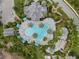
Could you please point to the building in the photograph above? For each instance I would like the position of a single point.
(60, 45)
(64, 32)
(35, 11)
(8, 32)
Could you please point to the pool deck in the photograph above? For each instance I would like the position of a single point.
(24, 29)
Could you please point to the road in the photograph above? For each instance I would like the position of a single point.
(69, 12)
(7, 15)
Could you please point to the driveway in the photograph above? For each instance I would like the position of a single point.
(7, 14)
(69, 12)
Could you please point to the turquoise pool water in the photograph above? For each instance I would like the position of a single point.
(42, 32)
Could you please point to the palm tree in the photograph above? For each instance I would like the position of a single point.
(41, 25)
(45, 38)
(49, 31)
(35, 35)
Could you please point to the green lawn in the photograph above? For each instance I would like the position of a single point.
(75, 48)
(74, 4)
(1, 35)
(1, 30)
(19, 4)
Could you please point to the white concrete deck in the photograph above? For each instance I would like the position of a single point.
(24, 26)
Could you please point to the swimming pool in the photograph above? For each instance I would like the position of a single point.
(41, 32)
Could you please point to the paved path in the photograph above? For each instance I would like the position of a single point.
(69, 12)
(7, 15)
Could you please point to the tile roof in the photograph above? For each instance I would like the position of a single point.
(8, 32)
(35, 11)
